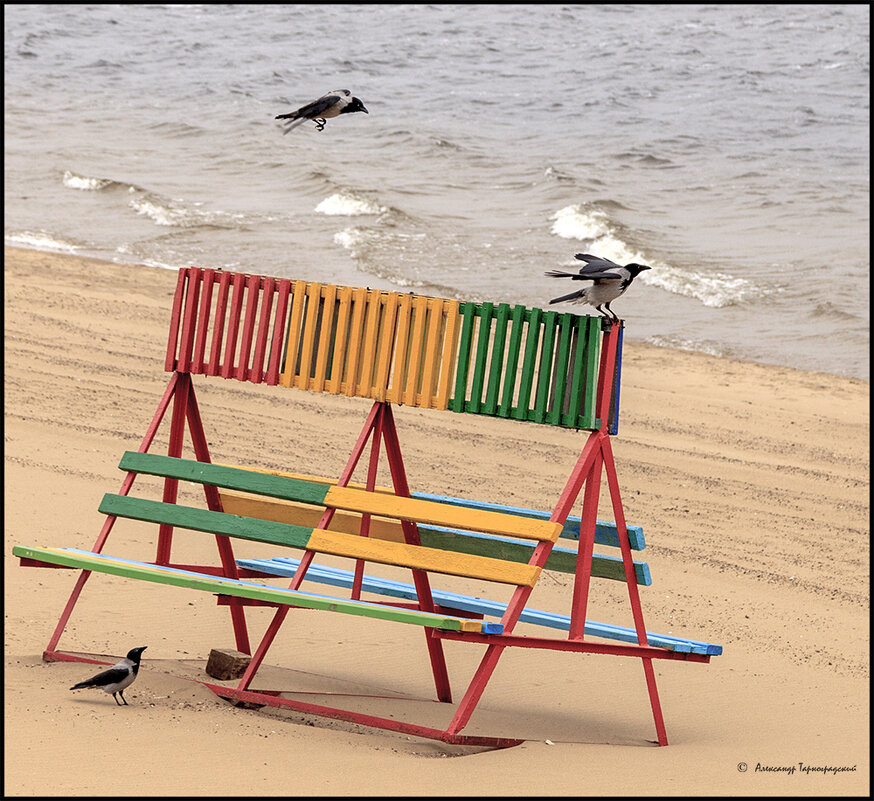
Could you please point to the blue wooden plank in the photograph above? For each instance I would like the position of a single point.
(605, 532)
(286, 566)
(296, 597)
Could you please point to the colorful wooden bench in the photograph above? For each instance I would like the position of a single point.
(514, 363)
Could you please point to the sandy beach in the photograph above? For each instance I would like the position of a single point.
(751, 483)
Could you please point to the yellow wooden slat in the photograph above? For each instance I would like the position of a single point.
(385, 342)
(356, 331)
(326, 334)
(343, 314)
(440, 514)
(419, 558)
(300, 514)
(364, 386)
(402, 337)
(298, 299)
(450, 353)
(314, 293)
(430, 362)
(420, 309)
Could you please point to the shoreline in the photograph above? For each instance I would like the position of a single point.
(751, 483)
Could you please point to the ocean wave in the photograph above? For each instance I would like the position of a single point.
(697, 346)
(349, 204)
(40, 240)
(593, 226)
(84, 183)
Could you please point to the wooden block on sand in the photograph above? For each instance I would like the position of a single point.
(225, 664)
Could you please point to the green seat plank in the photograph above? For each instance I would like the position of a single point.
(160, 574)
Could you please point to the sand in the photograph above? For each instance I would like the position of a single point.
(751, 483)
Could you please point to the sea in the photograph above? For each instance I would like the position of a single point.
(725, 145)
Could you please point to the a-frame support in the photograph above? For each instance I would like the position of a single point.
(180, 392)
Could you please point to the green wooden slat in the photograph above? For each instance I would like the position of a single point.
(592, 364)
(499, 341)
(528, 364)
(544, 374)
(172, 514)
(197, 581)
(560, 370)
(561, 560)
(512, 361)
(467, 311)
(289, 489)
(485, 313)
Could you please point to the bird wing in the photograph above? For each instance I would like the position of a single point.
(111, 676)
(595, 264)
(317, 107)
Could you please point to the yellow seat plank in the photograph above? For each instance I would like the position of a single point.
(439, 514)
(420, 558)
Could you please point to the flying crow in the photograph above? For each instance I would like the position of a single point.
(118, 678)
(340, 101)
(609, 281)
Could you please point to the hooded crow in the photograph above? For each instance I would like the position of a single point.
(609, 281)
(118, 678)
(340, 101)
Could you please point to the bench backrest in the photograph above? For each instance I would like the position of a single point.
(480, 358)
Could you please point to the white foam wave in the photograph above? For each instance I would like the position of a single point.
(348, 204)
(175, 214)
(39, 240)
(84, 183)
(593, 226)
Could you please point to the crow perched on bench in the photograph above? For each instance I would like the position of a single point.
(609, 281)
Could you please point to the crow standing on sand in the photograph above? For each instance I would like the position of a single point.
(609, 281)
(118, 678)
(340, 101)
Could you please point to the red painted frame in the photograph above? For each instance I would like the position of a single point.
(595, 458)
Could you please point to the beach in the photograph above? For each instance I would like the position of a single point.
(751, 483)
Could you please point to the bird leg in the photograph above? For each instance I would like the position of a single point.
(115, 698)
(320, 123)
(612, 313)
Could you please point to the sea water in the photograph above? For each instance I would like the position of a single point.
(726, 146)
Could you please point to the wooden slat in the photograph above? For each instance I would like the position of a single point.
(356, 333)
(189, 321)
(497, 359)
(511, 372)
(326, 337)
(418, 558)
(175, 321)
(438, 514)
(256, 372)
(279, 332)
(484, 313)
(528, 365)
(292, 345)
(385, 346)
(338, 360)
(253, 285)
(560, 367)
(417, 342)
(431, 354)
(219, 322)
(245, 589)
(449, 356)
(238, 284)
(396, 391)
(197, 360)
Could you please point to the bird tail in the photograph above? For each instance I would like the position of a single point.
(80, 685)
(559, 274)
(290, 126)
(573, 296)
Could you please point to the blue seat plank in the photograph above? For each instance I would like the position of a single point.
(286, 566)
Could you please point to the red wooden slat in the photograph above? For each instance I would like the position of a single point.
(238, 281)
(218, 329)
(279, 323)
(203, 320)
(189, 321)
(256, 374)
(170, 361)
(253, 292)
